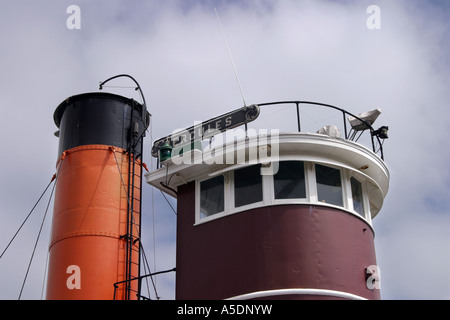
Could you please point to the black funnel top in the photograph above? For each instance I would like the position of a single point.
(101, 118)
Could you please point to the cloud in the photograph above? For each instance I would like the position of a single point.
(320, 51)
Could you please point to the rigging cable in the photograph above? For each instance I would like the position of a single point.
(37, 240)
(29, 214)
(153, 215)
(45, 274)
(174, 211)
(231, 58)
(149, 272)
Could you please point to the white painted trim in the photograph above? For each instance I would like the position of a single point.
(297, 291)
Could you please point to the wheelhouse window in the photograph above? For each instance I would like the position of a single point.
(357, 196)
(329, 185)
(295, 182)
(289, 181)
(212, 193)
(247, 186)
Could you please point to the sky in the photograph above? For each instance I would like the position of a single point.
(322, 50)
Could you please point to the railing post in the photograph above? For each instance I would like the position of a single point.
(345, 125)
(115, 287)
(298, 117)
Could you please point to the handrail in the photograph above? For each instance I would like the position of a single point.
(116, 284)
(344, 113)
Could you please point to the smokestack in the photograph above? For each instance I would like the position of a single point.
(95, 239)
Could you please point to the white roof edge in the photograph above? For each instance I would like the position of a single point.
(301, 146)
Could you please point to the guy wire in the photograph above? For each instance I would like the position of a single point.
(231, 58)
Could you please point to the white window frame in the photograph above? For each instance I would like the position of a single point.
(366, 200)
(223, 213)
(343, 187)
(351, 206)
(268, 192)
(249, 206)
(271, 182)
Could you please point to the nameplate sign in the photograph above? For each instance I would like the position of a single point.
(208, 128)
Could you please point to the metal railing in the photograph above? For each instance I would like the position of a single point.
(139, 279)
(375, 137)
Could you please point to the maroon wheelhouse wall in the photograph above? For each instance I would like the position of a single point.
(275, 247)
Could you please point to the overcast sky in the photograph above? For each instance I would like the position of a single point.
(283, 50)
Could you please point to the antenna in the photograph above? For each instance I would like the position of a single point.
(231, 58)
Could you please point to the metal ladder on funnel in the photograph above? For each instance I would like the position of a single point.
(134, 193)
(133, 229)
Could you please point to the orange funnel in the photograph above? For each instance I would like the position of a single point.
(94, 246)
